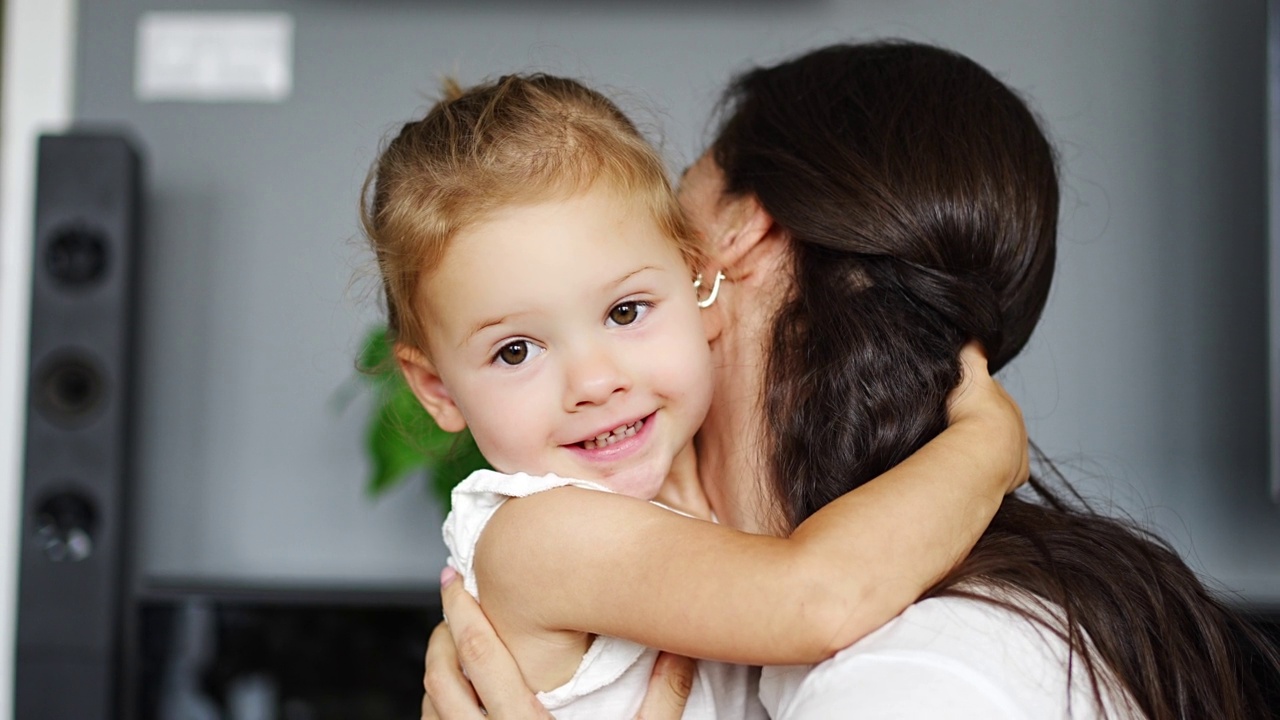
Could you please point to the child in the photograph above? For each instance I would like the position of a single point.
(540, 284)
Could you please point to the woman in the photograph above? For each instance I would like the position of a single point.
(876, 206)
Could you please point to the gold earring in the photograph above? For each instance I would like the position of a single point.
(710, 299)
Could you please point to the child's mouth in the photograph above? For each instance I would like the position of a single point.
(618, 434)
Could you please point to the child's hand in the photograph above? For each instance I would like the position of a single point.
(980, 400)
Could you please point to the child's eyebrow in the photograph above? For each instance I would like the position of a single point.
(483, 324)
(499, 320)
(630, 275)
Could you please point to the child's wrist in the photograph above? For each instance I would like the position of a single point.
(996, 441)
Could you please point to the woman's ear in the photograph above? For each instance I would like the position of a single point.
(427, 386)
(745, 225)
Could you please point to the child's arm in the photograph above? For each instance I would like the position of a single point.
(575, 559)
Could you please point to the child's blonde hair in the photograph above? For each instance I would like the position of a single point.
(519, 139)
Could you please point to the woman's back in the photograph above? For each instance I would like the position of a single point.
(951, 657)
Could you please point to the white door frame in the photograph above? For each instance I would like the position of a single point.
(35, 96)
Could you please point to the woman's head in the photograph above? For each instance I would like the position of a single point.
(919, 200)
(915, 199)
(518, 140)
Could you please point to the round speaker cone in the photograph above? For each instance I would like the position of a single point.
(65, 525)
(77, 255)
(70, 388)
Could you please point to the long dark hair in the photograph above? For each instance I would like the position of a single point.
(921, 198)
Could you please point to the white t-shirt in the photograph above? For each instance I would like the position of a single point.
(945, 658)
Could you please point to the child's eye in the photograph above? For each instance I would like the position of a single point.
(625, 313)
(516, 352)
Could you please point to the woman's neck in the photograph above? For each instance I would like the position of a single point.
(730, 464)
(732, 452)
(731, 449)
(682, 490)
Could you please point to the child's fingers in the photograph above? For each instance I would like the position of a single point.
(448, 694)
(973, 369)
(978, 395)
(669, 688)
(486, 662)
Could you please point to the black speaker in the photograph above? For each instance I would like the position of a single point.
(72, 566)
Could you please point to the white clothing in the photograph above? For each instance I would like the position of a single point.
(614, 674)
(945, 657)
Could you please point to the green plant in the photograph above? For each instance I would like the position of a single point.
(401, 437)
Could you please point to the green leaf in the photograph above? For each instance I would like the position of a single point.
(454, 467)
(375, 357)
(391, 450)
(402, 438)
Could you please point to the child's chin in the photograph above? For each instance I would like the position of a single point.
(639, 483)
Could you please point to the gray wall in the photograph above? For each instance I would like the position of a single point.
(1147, 378)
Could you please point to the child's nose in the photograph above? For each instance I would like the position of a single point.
(594, 376)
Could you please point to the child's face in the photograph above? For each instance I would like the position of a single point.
(556, 323)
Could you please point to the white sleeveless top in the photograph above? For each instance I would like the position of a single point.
(614, 674)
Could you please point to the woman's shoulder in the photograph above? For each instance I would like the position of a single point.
(992, 654)
(986, 627)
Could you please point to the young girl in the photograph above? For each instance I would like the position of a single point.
(540, 284)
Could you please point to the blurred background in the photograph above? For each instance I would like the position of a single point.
(1147, 380)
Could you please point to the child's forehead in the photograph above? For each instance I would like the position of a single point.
(548, 252)
(599, 218)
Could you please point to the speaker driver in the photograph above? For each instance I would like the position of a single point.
(65, 525)
(69, 389)
(76, 255)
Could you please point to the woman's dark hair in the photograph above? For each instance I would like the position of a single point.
(921, 198)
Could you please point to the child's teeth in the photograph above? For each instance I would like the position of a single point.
(618, 433)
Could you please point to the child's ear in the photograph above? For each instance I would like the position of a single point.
(427, 386)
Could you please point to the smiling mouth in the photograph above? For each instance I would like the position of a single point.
(622, 432)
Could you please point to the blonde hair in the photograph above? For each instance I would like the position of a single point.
(521, 138)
